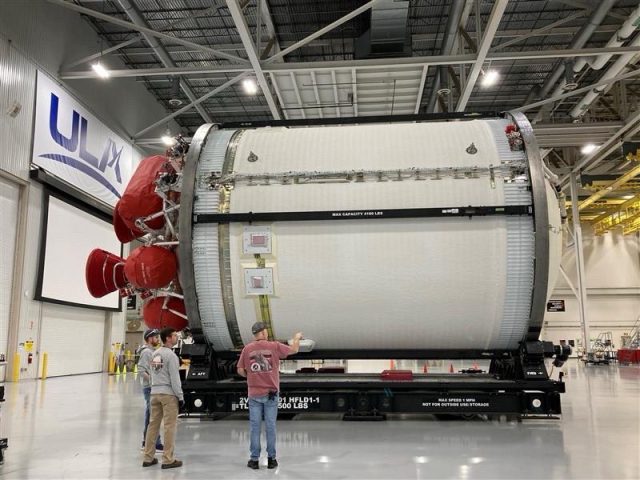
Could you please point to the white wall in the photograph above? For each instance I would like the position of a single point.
(73, 339)
(35, 34)
(612, 264)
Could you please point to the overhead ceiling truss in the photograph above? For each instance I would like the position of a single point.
(332, 87)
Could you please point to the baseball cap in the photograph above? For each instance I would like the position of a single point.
(258, 327)
(151, 332)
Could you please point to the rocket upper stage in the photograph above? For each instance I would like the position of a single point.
(439, 225)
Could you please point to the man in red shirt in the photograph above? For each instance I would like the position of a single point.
(260, 363)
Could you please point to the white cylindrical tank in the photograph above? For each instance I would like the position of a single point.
(379, 237)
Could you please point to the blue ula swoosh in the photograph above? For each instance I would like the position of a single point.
(84, 168)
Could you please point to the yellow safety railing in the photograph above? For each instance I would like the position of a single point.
(16, 367)
(45, 365)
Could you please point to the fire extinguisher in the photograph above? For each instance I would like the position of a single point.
(30, 358)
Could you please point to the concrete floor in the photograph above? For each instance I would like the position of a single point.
(90, 427)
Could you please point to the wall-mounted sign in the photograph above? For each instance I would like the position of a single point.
(555, 306)
(74, 145)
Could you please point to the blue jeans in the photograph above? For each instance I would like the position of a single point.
(259, 408)
(147, 414)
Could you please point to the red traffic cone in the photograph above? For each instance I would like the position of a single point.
(424, 368)
(451, 368)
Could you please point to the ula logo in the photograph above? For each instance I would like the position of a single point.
(76, 143)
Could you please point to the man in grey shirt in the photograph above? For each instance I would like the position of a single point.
(151, 342)
(166, 399)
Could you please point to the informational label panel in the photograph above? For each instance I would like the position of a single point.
(74, 145)
(285, 403)
(555, 306)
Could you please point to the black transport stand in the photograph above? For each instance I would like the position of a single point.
(517, 384)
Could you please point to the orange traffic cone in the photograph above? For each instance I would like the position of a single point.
(392, 365)
(424, 368)
(451, 368)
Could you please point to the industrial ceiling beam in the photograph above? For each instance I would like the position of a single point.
(579, 40)
(612, 147)
(490, 30)
(149, 31)
(157, 72)
(398, 63)
(424, 37)
(101, 53)
(274, 82)
(294, 82)
(423, 78)
(245, 36)
(322, 31)
(317, 93)
(258, 26)
(539, 31)
(336, 43)
(335, 93)
(621, 63)
(158, 49)
(191, 105)
(136, 39)
(628, 130)
(512, 33)
(575, 3)
(272, 43)
(579, 91)
(354, 84)
(447, 59)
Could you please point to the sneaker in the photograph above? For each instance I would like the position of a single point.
(174, 464)
(272, 463)
(160, 448)
(152, 462)
(253, 464)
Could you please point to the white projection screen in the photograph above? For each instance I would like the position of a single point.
(70, 233)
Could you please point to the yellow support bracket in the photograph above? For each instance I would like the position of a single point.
(631, 174)
(626, 214)
(263, 302)
(631, 227)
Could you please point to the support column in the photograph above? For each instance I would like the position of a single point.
(580, 270)
(15, 295)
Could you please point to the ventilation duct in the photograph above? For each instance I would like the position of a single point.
(388, 35)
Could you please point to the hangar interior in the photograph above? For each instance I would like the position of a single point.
(443, 195)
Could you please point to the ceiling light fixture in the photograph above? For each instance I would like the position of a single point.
(250, 86)
(489, 78)
(168, 139)
(100, 70)
(588, 148)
